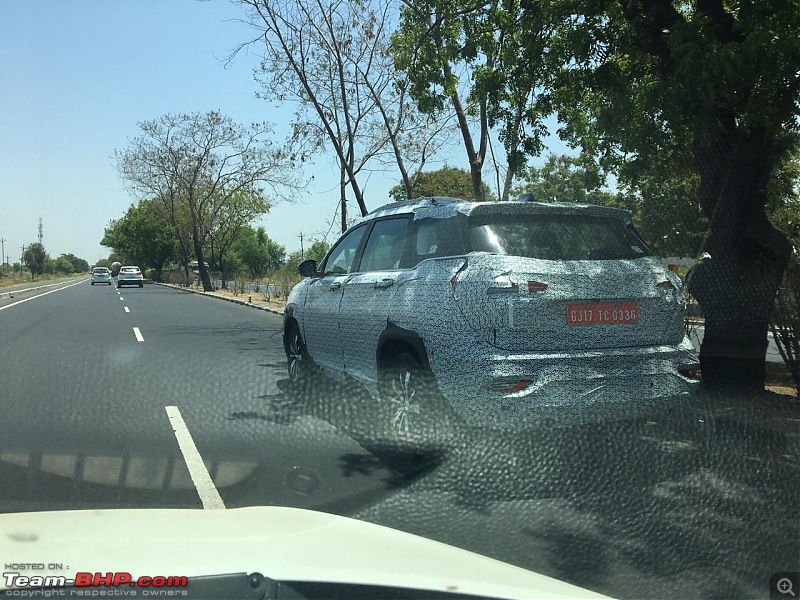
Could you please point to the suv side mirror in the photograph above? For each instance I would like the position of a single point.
(308, 268)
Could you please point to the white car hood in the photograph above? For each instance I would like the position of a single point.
(284, 544)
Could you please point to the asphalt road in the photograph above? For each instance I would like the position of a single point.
(100, 390)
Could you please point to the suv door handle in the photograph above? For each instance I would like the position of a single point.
(336, 285)
(384, 284)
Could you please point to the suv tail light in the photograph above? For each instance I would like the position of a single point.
(693, 374)
(509, 386)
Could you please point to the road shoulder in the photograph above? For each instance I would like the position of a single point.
(222, 295)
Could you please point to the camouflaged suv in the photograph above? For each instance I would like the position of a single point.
(505, 315)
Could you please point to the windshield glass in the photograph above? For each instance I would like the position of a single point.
(555, 238)
(553, 318)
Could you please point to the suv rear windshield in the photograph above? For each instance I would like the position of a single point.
(555, 237)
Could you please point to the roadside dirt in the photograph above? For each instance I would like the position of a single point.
(257, 299)
(28, 282)
(779, 380)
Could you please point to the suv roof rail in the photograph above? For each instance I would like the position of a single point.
(427, 200)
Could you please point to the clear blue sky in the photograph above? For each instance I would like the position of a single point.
(76, 77)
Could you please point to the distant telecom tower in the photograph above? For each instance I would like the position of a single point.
(41, 230)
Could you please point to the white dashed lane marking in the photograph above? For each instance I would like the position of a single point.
(138, 334)
(203, 483)
(127, 309)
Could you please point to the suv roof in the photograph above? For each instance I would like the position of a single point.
(443, 206)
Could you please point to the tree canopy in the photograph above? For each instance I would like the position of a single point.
(35, 258)
(447, 181)
(706, 92)
(143, 236)
(202, 162)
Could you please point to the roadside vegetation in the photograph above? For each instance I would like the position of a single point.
(37, 265)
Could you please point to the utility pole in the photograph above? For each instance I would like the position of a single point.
(41, 235)
(302, 253)
(2, 248)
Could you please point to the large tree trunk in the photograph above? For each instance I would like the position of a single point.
(222, 271)
(201, 265)
(736, 287)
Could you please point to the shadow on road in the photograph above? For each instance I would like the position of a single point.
(701, 504)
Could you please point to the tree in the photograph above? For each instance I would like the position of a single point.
(331, 58)
(783, 204)
(233, 217)
(483, 60)
(716, 85)
(317, 251)
(143, 236)
(35, 258)
(430, 47)
(258, 252)
(663, 202)
(62, 265)
(202, 161)
(305, 60)
(567, 179)
(175, 211)
(78, 264)
(447, 181)
(287, 275)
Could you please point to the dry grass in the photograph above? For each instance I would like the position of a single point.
(14, 279)
(257, 299)
(779, 380)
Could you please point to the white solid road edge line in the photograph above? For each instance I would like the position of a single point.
(40, 287)
(40, 295)
(205, 487)
(138, 334)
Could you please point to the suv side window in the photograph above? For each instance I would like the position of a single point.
(386, 245)
(432, 238)
(342, 257)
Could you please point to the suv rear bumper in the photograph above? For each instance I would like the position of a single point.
(569, 388)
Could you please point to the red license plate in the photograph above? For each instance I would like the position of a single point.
(603, 313)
